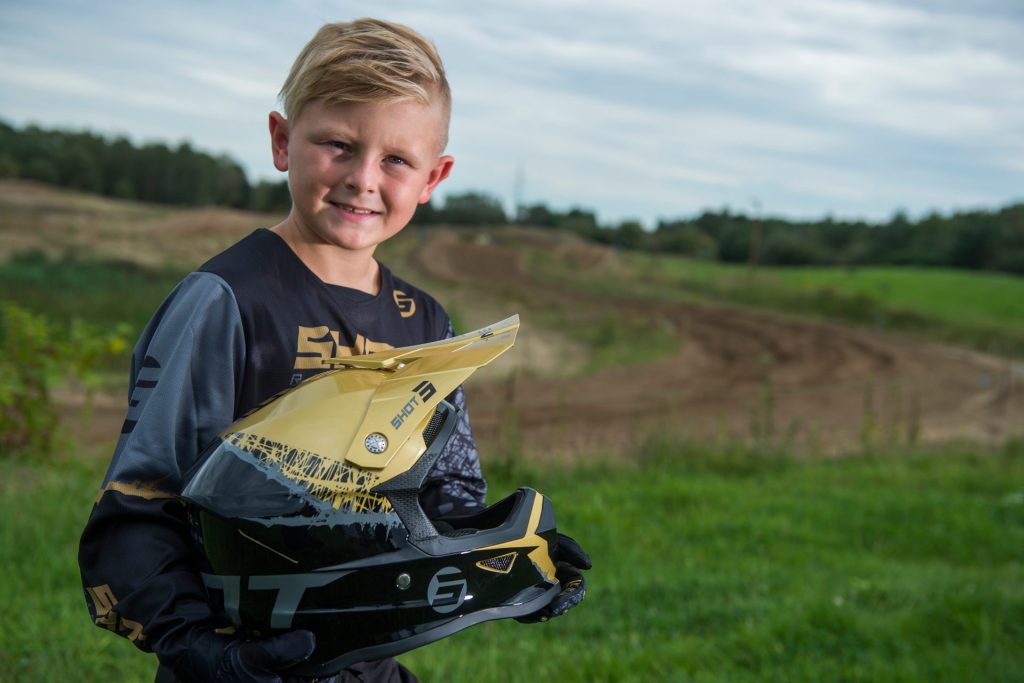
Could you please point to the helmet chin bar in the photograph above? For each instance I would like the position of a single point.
(500, 519)
(501, 524)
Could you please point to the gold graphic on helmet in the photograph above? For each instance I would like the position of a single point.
(103, 601)
(346, 488)
(406, 304)
(502, 564)
(369, 391)
(319, 342)
(539, 554)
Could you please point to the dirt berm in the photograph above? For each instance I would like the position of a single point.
(737, 374)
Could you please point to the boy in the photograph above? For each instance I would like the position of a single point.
(366, 109)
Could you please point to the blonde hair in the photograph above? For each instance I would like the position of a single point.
(367, 61)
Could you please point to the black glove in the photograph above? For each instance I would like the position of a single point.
(569, 559)
(217, 658)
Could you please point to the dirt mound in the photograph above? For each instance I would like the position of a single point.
(56, 221)
(738, 373)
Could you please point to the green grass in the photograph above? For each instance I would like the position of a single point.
(718, 565)
(949, 295)
(102, 292)
(623, 341)
(982, 310)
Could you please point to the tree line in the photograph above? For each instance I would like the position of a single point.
(181, 175)
(114, 167)
(976, 239)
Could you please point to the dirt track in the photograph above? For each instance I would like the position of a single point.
(738, 372)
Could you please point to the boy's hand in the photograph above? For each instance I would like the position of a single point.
(569, 551)
(570, 560)
(216, 658)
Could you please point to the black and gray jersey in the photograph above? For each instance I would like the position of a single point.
(249, 323)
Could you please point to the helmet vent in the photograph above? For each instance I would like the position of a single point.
(434, 428)
(502, 564)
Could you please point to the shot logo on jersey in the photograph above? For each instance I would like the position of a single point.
(319, 342)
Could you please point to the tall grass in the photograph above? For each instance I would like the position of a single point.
(709, 565)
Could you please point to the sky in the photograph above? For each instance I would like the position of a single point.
(647, 109)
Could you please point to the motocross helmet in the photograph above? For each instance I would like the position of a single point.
(308, 512)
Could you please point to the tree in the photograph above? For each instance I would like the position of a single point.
(789, 248)
(472, 208)
(580, 221)
(271, 197)
(682, 237)
(538, 215)
(631, 235)
(425, 214)
(975, 244)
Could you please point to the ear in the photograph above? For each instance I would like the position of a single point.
(439, 172)
(279, 140)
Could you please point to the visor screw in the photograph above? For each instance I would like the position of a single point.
(376, 443)
(403, 581)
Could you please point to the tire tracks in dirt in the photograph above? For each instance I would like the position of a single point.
(738, 373)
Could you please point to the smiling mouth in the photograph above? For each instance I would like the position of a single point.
(353, 209)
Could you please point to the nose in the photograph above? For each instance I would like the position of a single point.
(361, 175)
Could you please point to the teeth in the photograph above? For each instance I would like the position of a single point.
(361, 212)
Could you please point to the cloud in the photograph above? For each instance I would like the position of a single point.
(640, 109)
(248, 87)
(50, 79)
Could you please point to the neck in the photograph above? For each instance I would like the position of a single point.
(332, 264)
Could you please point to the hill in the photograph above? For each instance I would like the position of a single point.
(599, 369)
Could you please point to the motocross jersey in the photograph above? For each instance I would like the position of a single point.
(248, 324)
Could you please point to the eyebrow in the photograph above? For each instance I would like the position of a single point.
(328, 131)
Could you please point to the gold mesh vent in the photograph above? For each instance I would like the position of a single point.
(502, 564)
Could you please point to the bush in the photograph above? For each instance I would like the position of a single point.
(37, 356)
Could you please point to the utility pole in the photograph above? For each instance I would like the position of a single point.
(517, 194)
(755, 236)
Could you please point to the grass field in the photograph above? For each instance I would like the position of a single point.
(713, 562)
(710, 565)
(979, 309)
(949, 295)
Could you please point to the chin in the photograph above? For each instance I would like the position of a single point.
(355, 240)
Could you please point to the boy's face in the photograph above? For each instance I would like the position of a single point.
(357, 171)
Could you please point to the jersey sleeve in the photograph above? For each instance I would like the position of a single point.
(456, 482)
(138, 563)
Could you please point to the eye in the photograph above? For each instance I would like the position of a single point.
(339, 145)
(392, 159)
